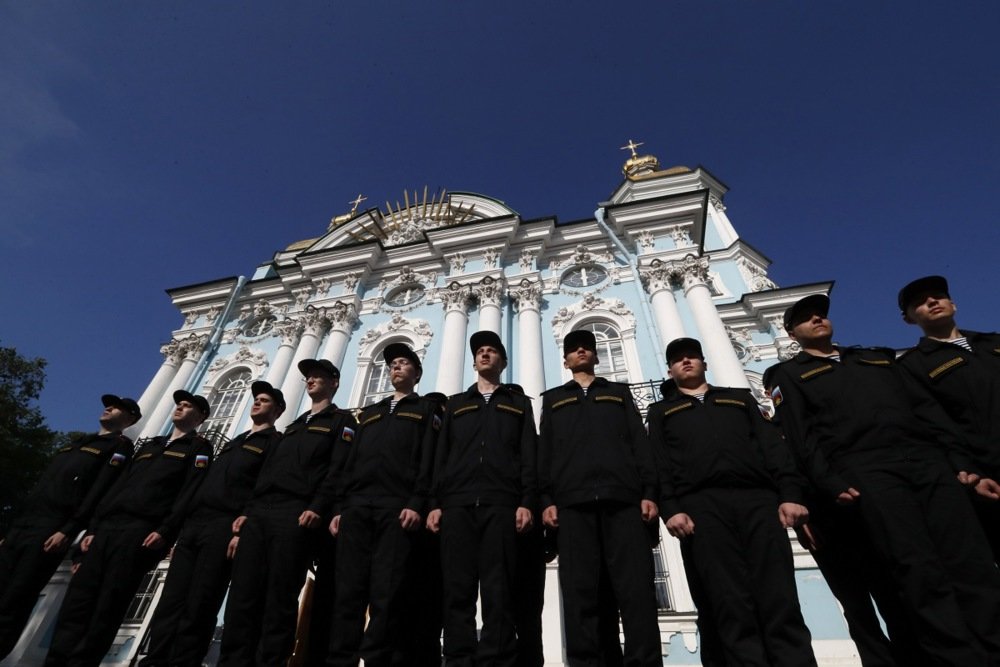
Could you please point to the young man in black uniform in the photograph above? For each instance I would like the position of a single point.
(597, 481)
(961, 369)
(58, 508)
(201, 564)
(868, 437)
(729, 490)
(294, 492)
(485, 486)
(386, 488)
(132, 530)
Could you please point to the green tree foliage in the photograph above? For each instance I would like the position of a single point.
(26, 443)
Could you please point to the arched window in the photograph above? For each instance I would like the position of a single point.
(225, 402)
(610, 351)
(378, 384)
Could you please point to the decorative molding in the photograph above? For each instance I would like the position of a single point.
(191, 347)
(314, 322)
(350, 283)
(290, 331)
(787, 348)
(657, 277)
(715, 201)
(747, 350)
(323, 286)
(591, 303)
(172, 352)
(527, 260)
(302, 296)
(681, 236)
(754, 275)
(342, 316)
(408, 276)
(489, 292)
(645, 240)
(583, 255)
(491, 258)
(455, 297)
(692, 271)
(397, 323)
(457, 262)
(245, 356)
(526, 296)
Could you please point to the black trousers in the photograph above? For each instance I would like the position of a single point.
(373, 552)
(611, 535)
(988, 512)
(324, 592)
(529, 596)
(268, 573)
(857, 576)
(423, 603)
(742, 560)
(478, 547)
(922, 524)
(186, 615)
(24, 571)
(100, 593)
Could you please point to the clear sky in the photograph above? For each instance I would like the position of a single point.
(148, 145)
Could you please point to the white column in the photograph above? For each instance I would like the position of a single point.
(191, 348)
(553, 648)
(530, 367)
(723, 364)
(658, 281)
(314, 323)
(490, 293)
(452, 364)
(289, 330)
(149, 399)
(342, 317)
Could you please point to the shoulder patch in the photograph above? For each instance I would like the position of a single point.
(436, 423)
(945, 367)
(565, 401)
(677, 408)
(819, 370)
(67, 448)
(415, 416)
(610, 397)
(116, 459)
(201, 461)
(347, 435)
(467, 408)
(255, 450)
(176, 455)
(509, 408)
(876, 362)
(776, 396)
(319, 429)
(147, 455)
(90, 450)
(368, 420)
(729, 401)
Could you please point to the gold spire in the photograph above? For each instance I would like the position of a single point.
(341, 219)
(638, 165)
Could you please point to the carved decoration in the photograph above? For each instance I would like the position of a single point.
(190, 317)
(645, 240)
(408, 276)
(592, 302)
(717, 203)
(526, 296)
(681, 236)
(657, 276)
(787, 349)
(314, 321)
(342, 315)
(302, 295)
(399, 323)
(289, 331)
(244, 355)
(527, 261)
(489, 292)
(491, 256)
(692, 271)
(754, 275)
(323, 286)
(455, 297)
(583, 255)
(172, 352)
(457, 262)
(350, 282)
(746, 349)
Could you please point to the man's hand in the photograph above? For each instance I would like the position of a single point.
(988, 488)
(85, 544)
(792, 514)
(523, 520)
(238, 524)
(550, 516)
(409, 519)
(968, 478)
(808, 538)
(335, 525)
(649, 510)
(231, 549)
(153, 541)
(680, 525)
(434, 521)
(309, 519)
(848, 497)
(56, 542)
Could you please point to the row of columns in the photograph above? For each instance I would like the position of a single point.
(301, 338)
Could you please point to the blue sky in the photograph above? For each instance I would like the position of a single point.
(149, 145)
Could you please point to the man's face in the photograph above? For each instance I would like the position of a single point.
(811, 327)
(488, 360)
(115, 419)
(402, 373)
(580, 359)
(687, 365)
(321, 386)
(930, 307)
(265, 410)
(187, 415)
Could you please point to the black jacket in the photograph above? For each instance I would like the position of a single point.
(724, 442)
(308, 460)
(75, 481)
(392, 459)
(861, 411)
(967, 385)
(486, 452)
(230, 481)
(158, 485)
(593, 446)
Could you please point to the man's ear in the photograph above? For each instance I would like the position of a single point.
(907, 318)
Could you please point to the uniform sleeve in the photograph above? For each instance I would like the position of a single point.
(802, 440)
(778, 459)
(529, 458)
(324, 499)
(420, 500)
(545, 445)
(641, 450)
(182, 502)
(669, 504)
(110, 472)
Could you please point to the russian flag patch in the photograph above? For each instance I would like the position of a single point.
(776, 396)
(116, 459)
(201, 461)
(348, 434)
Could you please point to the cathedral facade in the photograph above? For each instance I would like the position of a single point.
(660, 259)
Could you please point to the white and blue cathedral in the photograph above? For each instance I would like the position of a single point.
(660, 259)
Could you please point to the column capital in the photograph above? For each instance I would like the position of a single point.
(172, 352)
(526, 296)
(658, 276)
(314, 322)
(456, 298)
(191, 347)
(289, 330)
(489, 292)
(691, 271)
(342, 316)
